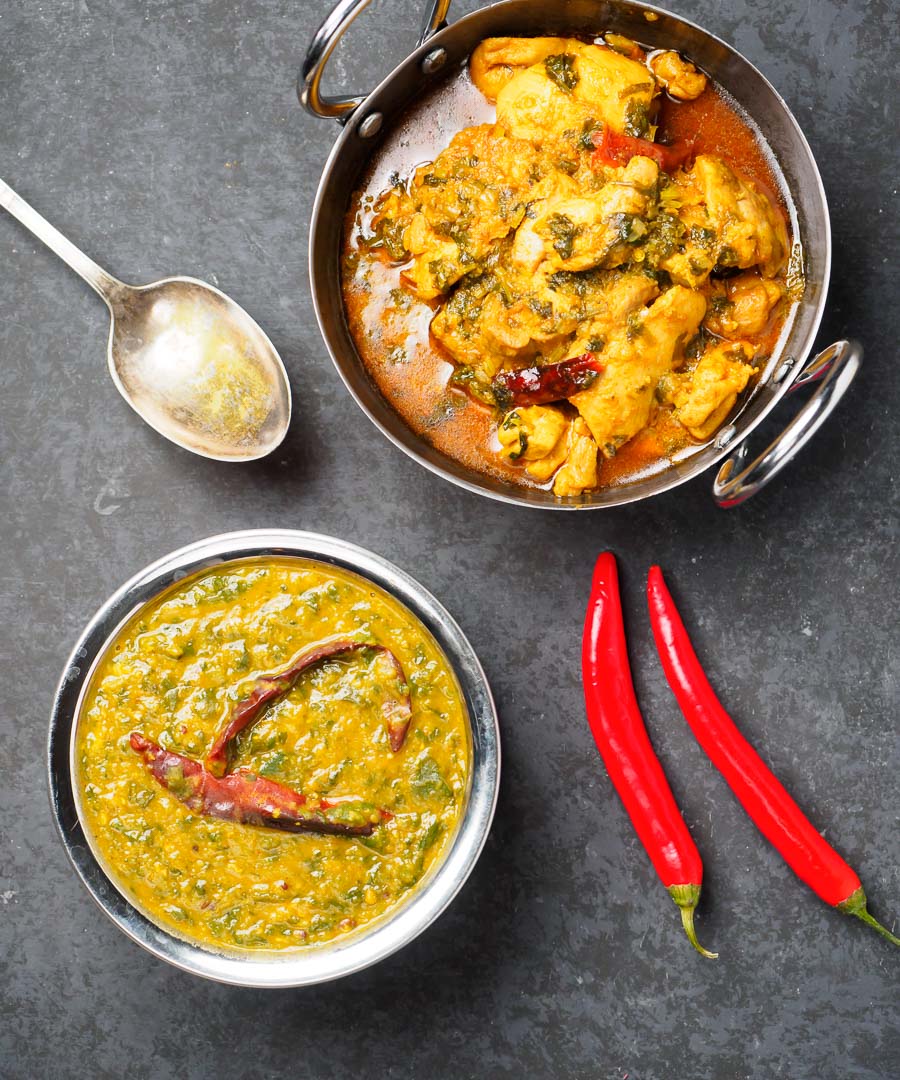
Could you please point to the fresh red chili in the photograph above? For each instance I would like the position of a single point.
(240, 796)
(614, 148)
(552, 382)
(267, 688)
(624, 745)
(757, 788)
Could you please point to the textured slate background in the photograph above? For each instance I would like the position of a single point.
(164, 136)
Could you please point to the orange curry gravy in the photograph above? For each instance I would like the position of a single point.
(390, 326)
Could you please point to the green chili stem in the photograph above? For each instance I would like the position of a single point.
(855, 904)
(687, 897)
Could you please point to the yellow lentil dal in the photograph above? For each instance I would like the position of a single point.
(173, 673)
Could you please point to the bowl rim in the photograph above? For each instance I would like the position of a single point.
(784, 367)
(314, 964)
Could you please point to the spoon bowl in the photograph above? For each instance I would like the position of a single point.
(189, 360)
(197, 368)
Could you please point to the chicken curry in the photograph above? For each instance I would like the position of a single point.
(270, 755)
(578, 289)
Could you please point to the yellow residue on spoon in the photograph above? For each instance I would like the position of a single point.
(206, 371)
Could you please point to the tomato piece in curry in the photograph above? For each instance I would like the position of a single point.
(174, 672)
(565, 198)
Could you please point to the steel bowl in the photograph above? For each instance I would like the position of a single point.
(316, 963)
(442, 51)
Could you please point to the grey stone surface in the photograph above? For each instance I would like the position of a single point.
(164, 136)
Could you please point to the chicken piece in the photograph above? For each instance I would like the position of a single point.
(528, 245)
(532, 106)
(567, 90)
(479, 183)
(459, 328)
(437, 261)
(618, 405)
(579, 473)
(624, 292)
(694, 246)
(749, 229)
(502, 317)
(704, 397)
(680, 238)
(542, 469)
(617, 90)
(743, 306)
(710, 217)
(497, 60)
(581, 232)
(520, 330)
(543, 439)
(535, 434)
(458, 206)
(678, 76)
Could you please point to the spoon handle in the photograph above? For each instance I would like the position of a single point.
(94, 275)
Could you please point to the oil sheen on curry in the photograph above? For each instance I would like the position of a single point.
(577, 287)
(270, 755)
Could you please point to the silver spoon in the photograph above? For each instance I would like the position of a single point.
(186, 358)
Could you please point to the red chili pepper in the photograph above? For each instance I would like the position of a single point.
(241, 796)
(267, 688)
(552, 382)
(757, 788)
(615, 148)
(624, 745)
